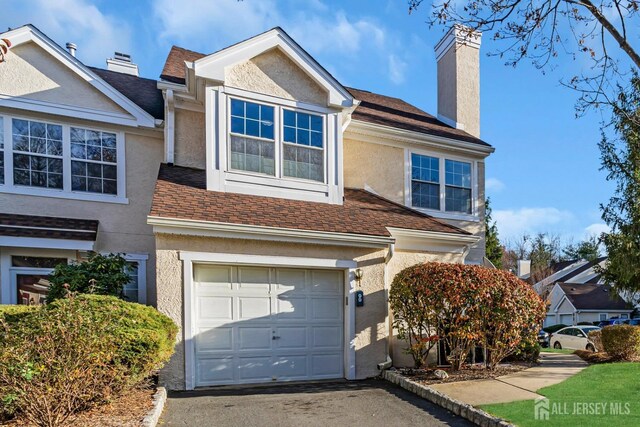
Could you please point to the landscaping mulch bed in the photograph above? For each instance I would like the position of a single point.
(591, 357)
(472, 372)
(127, 411)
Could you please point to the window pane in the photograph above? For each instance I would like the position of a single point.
(458, 173)
(237, 108)
(130, 290)
(252, 155)
(289, 118)
(40, 163)
(101, 149)
(425, 168)
(457, 199)
(36, 262)
(425, 195)
(252, 119)
(302, 162)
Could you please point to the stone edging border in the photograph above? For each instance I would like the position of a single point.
(461, 409)
(152, 417)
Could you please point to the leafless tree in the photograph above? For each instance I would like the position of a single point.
(5, 45)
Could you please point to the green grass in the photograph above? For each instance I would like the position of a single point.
(616, 383)
(555, 350)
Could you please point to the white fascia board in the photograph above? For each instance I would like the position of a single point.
(163, 225)
(271, 260)
(387, 135)
(422, 240)
(44, 243)
(213, 66)
(28, 33)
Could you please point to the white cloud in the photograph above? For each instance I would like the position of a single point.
(515, 222)
(97, 34)
(494, 185)
(397, 69)
(596, 229)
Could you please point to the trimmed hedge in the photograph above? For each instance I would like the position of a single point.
(621, 342)
(77, 352)
(596, 339)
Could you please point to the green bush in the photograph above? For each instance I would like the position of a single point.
(100, 275)
(596, 339)
(554, 328)
(13, 313)
(586, 323)
(78, 352)
(527, 351)
(621, 342)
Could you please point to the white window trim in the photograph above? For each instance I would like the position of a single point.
(65, 192)
(441, 213)
(141, 260)
(190, 258)
(606, 317)
(278, 140)
(221, 178)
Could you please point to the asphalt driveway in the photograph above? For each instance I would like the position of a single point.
(328, 404)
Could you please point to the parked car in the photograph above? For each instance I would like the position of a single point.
(574, 338)
(543, 338)
(633, 322)
(612, 321)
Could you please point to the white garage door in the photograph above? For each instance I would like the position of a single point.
(566, 319)
(259, 324)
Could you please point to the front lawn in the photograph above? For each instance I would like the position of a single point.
(601, 395)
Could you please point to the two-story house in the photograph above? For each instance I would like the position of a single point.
(284, 204)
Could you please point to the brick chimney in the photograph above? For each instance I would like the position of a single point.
(458, 56)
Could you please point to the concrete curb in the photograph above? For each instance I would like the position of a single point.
(159, 399)
(461, 409)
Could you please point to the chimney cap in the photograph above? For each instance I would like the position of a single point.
(122, 56)
(457, 34)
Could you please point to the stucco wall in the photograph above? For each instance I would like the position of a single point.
(30, 72)
(382, 170)
(123, 227)
(371, 320)
(273, 73)
(190, 145)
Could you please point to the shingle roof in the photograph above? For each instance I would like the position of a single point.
(374, 108)
(48, 227)
(181, 193)
(143, 92)
(593, 297)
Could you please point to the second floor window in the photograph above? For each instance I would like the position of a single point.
(37, 154)
(252, 137)
(441, 184)
(93, 161)
(258, 133)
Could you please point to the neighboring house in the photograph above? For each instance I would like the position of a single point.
(284, 205)
(79, 151)
(575, 293)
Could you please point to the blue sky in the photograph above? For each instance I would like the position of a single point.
(544, 174)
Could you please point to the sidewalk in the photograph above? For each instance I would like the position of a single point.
(553, 369)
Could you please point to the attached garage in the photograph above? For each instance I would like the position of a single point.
(566, 319)
(255, 324)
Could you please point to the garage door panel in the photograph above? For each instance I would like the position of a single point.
(214, 339)
(255, 369)
(326, 365)
(215, 370)
(291, 338)
(251, 308)
(252, 338)
(291, 308)
(254, 278)
(290, 281)
(214, 277)
(291, 367)
(215, 308)
(326, 308)
(326, 281)
(326, 337)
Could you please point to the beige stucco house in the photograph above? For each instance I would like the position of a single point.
(269, 205)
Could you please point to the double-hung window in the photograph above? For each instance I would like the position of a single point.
(252, 137)
(441, 184)
(259, 133)
(38, 156)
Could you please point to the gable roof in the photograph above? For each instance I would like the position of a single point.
(181, 193)
(144, 92)
(136, 114)
(374, 108)
(593, 297)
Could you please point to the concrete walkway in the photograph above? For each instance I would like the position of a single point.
(553, 369)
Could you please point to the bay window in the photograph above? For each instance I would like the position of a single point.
(276, 141)
(441, 184)
(38, 157)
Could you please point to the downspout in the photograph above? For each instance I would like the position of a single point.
(169, 129)
(388, 362)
